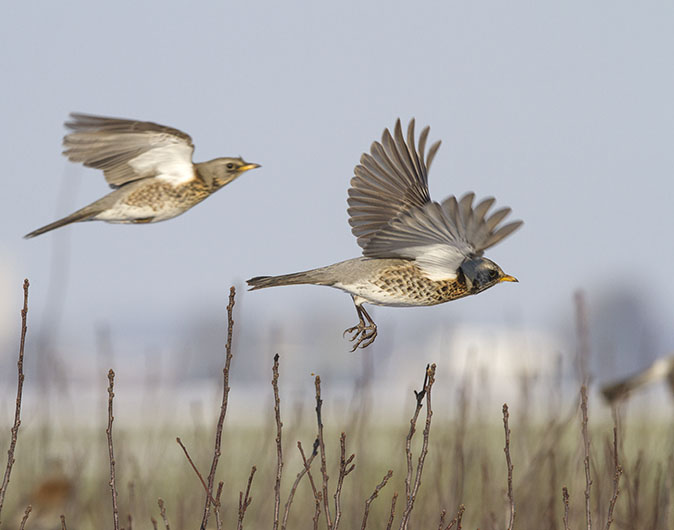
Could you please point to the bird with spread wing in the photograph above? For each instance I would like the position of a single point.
(416, 252)
(149, 167)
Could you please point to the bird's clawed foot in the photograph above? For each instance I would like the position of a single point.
(362, 334)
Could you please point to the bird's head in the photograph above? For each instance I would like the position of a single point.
(221, 171)
(482, 273)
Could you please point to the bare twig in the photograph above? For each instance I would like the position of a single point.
(293, 490)
(565, 500)
(509, 464)
(441, 525)
(245, 500)
(223, 408)
(457, 520)
(279, 451)
(392, 513)
(29, 508)
(582, 330)
(218, 521)
(345, 467)
(154, 523)
(201, 478)
(429, 379)
(19, 394)
(586, 450)
(63, 522)
(374, 495)
(408, 440)
(321, 444)
(162, 512)
(617, 472)
(307, 464)
(111, 453)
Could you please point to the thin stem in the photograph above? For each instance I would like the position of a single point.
(111, 453)
(194, 467)
(307, 464)
(321, 444)
(162, 512)
(457, 520)
(344, 470)
(586, 451)
(26, 513)
(19, 394)
(223, 408)
(218, 521)
(279, 450)
(374, 495)
(392, 513)
(245, 500)
(565, 500)
(617, 472)
(429, 379)
(293, 490)
(509, 464)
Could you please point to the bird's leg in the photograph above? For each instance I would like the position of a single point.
(363, 334)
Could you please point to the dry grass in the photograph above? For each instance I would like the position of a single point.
(470, 471)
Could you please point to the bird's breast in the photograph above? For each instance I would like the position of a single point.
(403, 284)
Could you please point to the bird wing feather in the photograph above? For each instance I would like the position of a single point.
(128, 150)
(392, 215)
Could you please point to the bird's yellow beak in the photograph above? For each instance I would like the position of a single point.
(508, 278)
(247, 167)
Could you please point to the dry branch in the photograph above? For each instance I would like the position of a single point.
(457, 520)
(223, 408)
(429, 379)
(392, 513)
(218, 496)
(307, 464)
(194, 467)
(245, 500)
(162, 512)
(565, 500)
(344, 470)
(321, 445)
(617, 472)
(374, 495)
(279, 450)
(25, 517)
(111, 453)
(19, 395)
(509, 464)
(293, 489)
(63, 522)
(586, 451)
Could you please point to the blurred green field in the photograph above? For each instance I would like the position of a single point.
(65, 470)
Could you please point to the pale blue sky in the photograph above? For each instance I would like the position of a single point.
(563, 111)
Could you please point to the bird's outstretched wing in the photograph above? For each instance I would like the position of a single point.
(128, 150)
(389, 181)
(392, 214)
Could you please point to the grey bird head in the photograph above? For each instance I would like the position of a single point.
(482, 273)
(221, 171)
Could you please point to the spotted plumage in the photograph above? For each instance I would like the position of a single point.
(148, 166)
(417, 252)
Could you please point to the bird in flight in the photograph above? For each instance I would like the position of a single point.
(661, 369)
(149, 167)
(416, 252)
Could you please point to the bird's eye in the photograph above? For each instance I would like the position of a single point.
(230, 166)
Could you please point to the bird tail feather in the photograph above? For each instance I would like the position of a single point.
(84, 214)
(316, 277)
